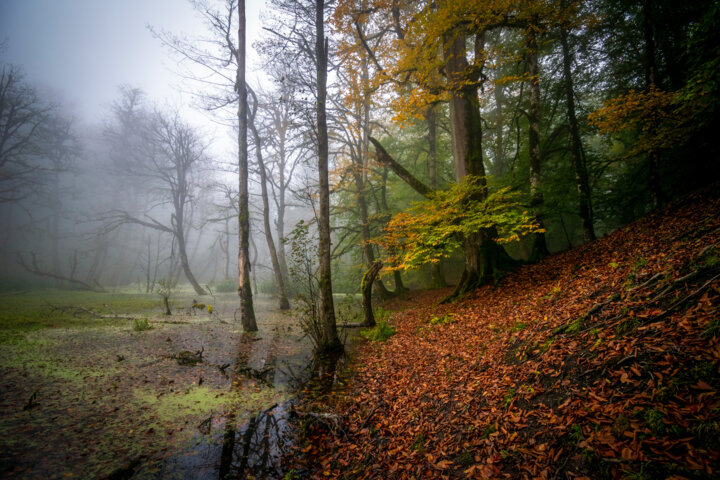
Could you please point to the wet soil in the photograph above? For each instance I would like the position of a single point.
(107, 401)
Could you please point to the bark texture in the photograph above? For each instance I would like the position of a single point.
(539, 245)
(247, 312)
(366, 289)
(329, 340)
(484, 259)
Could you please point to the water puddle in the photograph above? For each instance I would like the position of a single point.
(236, 443)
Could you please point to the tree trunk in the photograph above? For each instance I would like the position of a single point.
(329, 340)
(581, 176)
(247, 312)
(437, 279)
(360, 173)
(280, 282)
(656, 193)
(180, 235)
(483, 257)
(366, 289)
(539, 248)
(385, 159)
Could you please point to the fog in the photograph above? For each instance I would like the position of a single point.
(121, 169)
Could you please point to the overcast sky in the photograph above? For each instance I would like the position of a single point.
(82, 50)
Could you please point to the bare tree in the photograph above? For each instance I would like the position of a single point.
(162, 153)
(22, 114)
(279, 280)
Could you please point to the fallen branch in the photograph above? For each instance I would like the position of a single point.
(331, 421)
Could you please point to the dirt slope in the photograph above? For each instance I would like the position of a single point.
(599, 362)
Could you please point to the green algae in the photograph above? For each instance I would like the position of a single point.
(202, 401)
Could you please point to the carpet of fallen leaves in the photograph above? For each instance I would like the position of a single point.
(598, 362)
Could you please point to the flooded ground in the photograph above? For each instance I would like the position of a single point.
(191, 397)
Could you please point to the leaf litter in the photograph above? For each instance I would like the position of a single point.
(598, 362)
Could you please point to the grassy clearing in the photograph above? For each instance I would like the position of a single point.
(41, 309)
(111, 393)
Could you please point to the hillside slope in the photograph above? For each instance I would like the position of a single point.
(598, 362)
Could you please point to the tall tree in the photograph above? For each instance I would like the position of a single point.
(578, 159)
(247, 311)
(277, 271)
(22, 115)
(539, 247)
(161, 154)
(329, 341)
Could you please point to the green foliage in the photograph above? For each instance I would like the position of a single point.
(444, 320)
(510, 396)
(380, 332)
(654, 419)
(303, 270)
(141, 324)
(431, 230)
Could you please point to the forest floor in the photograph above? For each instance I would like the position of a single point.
(85, 393)
(598, 362)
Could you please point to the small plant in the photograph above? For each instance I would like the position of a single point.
(576, 326)
(164, 289)
(380, 332)
(418, 444)
(291, 474)
(444, 320)
(640, 262)
(576, 433)
(510, 396)
(488, 430)
(654, 418)
(381, 315)
(141, 324)
(545, 346)
(518, 327)
(303, 269)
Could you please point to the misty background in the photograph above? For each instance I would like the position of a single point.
(123, 171)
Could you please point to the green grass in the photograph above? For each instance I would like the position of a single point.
(380, 332)
(52, 308)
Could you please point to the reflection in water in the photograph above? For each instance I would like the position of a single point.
(231, 447)
(257, 449)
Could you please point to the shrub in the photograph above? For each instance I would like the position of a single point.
(380, 332)
(141, 324)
